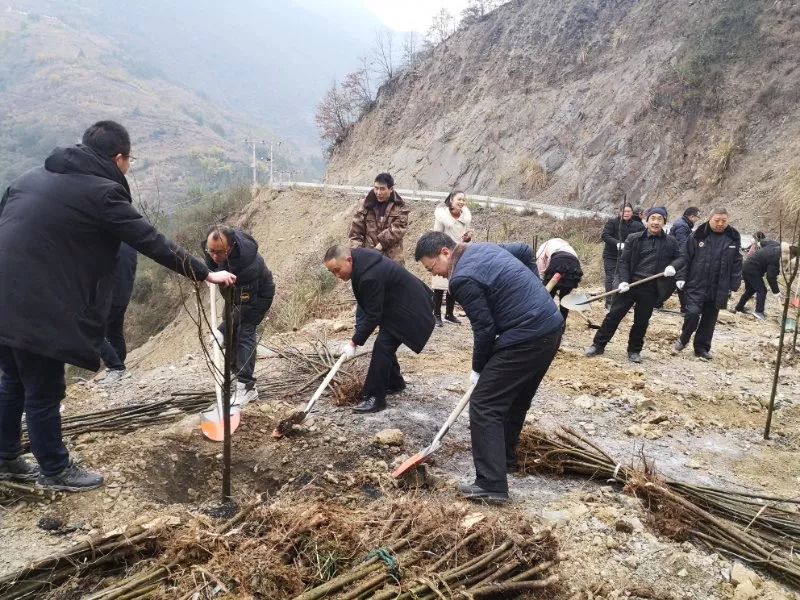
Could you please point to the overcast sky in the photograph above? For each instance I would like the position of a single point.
(412, 15)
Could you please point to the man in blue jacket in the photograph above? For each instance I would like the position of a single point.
(682, 230)
(516, 329)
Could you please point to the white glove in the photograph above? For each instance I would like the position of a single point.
(623, 287)
(680, 284)
(669, 271)
(473, 377)
(217, 338)
(347, 349)
(621, 245)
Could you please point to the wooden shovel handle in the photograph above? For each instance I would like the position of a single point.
(616, 290)
(553, 282)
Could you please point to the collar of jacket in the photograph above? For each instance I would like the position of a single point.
(371, 200)
(661, 233)
(704, 230)
(458, 252)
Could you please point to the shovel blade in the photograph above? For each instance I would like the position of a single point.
(214, 429)
(579, 302)
(414, 461)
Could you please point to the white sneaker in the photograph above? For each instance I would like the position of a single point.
(242, 396)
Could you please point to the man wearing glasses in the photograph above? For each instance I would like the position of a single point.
(61, 226)
(235, 251)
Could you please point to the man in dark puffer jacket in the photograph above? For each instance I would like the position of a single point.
(235, 251)
(763, 262)
(516, 329)
(615, 232)
(711, 273)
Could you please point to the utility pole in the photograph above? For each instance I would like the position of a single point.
(271, 161)
(253, 145)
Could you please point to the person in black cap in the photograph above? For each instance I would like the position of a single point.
(646, 253)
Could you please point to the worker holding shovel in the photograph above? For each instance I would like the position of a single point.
(516, 331)
(647, 254)
(392, 299)
(235, 251)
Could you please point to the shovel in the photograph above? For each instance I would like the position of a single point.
(212, 425)
(299, 416)
(421, 457)
(580, 302)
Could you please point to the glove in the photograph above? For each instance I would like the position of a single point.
(347, 349)
(669, 271)
(623, 287)
(680, 284)
(217, 338)
(621, 246)
(473, 377)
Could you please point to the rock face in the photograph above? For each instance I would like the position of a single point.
(576, 102)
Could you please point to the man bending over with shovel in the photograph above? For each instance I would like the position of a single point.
(516, 333)
(227, 249)
(648, 254)
(391, 298)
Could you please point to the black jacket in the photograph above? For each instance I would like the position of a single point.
(60, 231)
(505, 302)
(392, 298)
(698, 267)
(614, 233)
(766, 261)
(681, 230)
(669, 253)
(254, 288)
(124, 275)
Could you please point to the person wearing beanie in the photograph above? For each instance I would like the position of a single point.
(646, 253)
(711, 272)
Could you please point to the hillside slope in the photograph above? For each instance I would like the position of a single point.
(56, 79)
(581, 101)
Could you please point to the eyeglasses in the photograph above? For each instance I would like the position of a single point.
(131, 158)
(217, 252)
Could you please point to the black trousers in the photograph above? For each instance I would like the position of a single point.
(438, 296)
(671, 288)
(246, 340)
(384, 370)
(753, 286)
(700, 321)
(562, 291)
(33, 384)
(114, 350)
(610, 267)
(643, 299)
(499, 404)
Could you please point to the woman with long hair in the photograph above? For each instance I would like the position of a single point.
(454, 219)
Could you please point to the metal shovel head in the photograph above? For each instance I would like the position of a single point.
(213, 426)
(579, 302)
(414, 461)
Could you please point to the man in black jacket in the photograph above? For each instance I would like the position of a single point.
(516, 330)
(681, 230)
(615, 232)
(763, 262)
(227, 249)
(711, 273)
(114, 349)
(60, 230)
(391, 298)
(646, 253)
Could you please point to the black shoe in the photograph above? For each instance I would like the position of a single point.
(704, 354)
(679, 345)
(634, 357)
(370, 405)
(742, 310)
(396, 389)
(18, 469)
(71, 479)
(438, 321)
(452, 319)
(594, 350)
(760, 316)
(472, 491)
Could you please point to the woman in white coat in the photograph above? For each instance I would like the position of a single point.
(454, 219)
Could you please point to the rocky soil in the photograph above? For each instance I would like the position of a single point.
(699, 421)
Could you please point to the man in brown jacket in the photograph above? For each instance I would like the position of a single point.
(381, 221)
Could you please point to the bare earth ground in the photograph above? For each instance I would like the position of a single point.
(708, 428)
